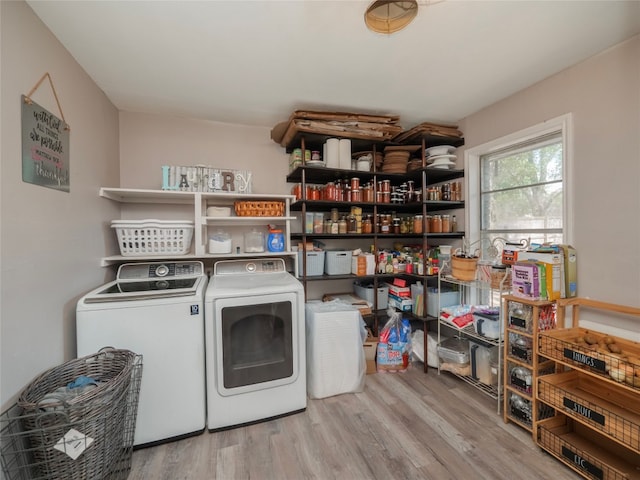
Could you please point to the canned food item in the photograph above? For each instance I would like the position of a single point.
(352, 225)
(297, 191)
(367, 224)
(446, 191)
(367, 193)
(355, 183)
(342, 225)
(330, 191)
(385, 223)
(436, 224)
(396, 225)
(417, 224)
(446, 224)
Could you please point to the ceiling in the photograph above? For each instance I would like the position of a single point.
(254, 62)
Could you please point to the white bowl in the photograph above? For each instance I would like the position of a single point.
(440, 150)
(442, 161)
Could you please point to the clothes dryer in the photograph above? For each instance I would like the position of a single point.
(255, 342)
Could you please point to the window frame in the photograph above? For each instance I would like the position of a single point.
(472, 156)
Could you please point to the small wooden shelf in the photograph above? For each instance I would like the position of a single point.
(533, 363)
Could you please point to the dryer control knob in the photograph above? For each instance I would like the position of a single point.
(251, 267)
(162, 270)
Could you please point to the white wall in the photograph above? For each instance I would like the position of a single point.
(603, 94)
(147, 142)
(51, 241)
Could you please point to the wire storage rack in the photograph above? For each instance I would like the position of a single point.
(54, 432)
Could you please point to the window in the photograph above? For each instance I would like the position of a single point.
(521, 194)
(518, 189)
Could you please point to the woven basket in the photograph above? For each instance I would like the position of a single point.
(106, 414)
(464, 268)
(497, 277)
(259, 209)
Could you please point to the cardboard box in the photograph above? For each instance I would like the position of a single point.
(570, 271)
(363, 264)
(525, 282)
(554, 272)
(370, 346)
(404, 304)
(398, 291)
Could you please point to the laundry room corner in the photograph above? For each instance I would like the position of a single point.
(51, 241)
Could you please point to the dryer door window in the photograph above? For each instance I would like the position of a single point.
(257, 343)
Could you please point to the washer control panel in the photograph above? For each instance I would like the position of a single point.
(141, 271)
(249, 267)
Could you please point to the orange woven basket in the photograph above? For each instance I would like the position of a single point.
(259, 209)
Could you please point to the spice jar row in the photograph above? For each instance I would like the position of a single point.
(385, 223)
(450, 191)
(351, 190)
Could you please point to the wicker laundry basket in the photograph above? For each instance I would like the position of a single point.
(52, 434)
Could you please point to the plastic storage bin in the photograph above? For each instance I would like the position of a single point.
(337, 262)
(315, 263)
(448, 297)
(487, 325)
(365, 291)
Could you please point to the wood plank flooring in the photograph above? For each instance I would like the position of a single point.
(402, 426)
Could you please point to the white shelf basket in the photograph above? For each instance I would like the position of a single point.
(153, 237)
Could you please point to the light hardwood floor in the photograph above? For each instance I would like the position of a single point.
(402, 426)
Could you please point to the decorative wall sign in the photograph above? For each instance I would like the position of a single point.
(205, 179)
(45, 144)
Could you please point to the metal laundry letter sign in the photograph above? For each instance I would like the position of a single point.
(45, 147)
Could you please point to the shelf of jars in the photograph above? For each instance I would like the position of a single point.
(321, 205)
(326, 174)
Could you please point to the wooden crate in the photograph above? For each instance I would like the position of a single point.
(586, 451)
(564, 347)
(612, 411)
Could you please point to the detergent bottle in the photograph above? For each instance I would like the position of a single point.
(275, 240)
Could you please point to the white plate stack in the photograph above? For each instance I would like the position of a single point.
(441, 157)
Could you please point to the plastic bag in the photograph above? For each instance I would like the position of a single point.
(394, 344)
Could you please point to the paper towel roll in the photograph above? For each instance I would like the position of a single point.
(332, 157)
(345, 154)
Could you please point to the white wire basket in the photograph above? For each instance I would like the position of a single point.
(153, 237)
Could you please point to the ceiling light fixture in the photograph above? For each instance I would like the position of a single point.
(389, 16)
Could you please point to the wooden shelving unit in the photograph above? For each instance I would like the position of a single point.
(596, 429)
(524, 319)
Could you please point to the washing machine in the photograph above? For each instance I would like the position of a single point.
(255, 342)
(157, 310)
